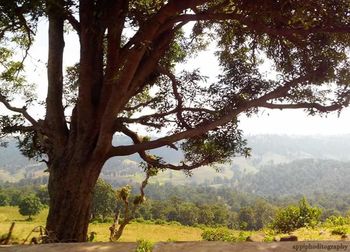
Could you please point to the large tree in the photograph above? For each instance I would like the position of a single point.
(127, 79)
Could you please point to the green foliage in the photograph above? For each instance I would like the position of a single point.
(103, 201)
(144, 246)
(219, 234)
(4, 199)
(293, 217)
(337, 221)
(269, 235)
(30, 205)
(340, 230)
(256, 216)
(43, 194)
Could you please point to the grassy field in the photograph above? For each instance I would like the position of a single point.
(139, 231)
(132, 233)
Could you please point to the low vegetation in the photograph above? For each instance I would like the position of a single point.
(185, 214)
(147, 232)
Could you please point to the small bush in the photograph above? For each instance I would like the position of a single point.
(218, 234)
(340, 231)
(143, 221)
(269, 235)
(139, 220)
(160, 222)
(102, 220)
(148, 222)
(336, 221)
(293, 217)
(144, 246)
(174, 223)
(243, 235)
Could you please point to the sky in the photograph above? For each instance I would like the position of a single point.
(286, 122)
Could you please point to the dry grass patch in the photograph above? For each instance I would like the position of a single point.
(149, 232)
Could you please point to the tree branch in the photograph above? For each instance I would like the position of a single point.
(293, 34)
(319, 107)
(140, 105)
(146, 118)
(177, 95)
(18, 128)
(73, 21)
(22, 111)
(228, 115)
(55, 118)
(154, 162)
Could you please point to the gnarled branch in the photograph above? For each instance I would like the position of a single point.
(201, 128)
(22, 111)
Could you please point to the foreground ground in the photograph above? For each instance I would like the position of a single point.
(186, 246)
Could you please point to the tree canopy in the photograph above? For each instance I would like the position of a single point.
(127, 79)
(304, 43)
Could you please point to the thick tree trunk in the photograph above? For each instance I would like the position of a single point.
(70, 189)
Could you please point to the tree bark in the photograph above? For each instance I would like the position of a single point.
(71, 184)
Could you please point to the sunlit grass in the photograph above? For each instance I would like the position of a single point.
(149, 232)
(139, 231)
(10, 214)
(132, 233)
(317, 234)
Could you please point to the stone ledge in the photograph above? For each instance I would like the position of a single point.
(73, 247)
(202, 246)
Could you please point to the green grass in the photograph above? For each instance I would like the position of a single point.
(132, 233)
(140, 231)
(148, 232)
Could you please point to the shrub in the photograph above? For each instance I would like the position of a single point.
(139, 220)
(218, 234)
(174, 223)
(243, 235)
(269, 235)
(336, 221)
(160, 222)
(144, 246)
(340, 231)
(293, 217)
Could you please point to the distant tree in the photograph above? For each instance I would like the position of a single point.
(206, 215)
(188, 214)
(246, 218)
(43, 194)
(4, 199)
(264, 213)
(16, 197)
(103, 200)
(220, 213)
(30, 205)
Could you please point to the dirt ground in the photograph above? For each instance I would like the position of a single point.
(203, 246)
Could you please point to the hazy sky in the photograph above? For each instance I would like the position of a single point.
(293, 122)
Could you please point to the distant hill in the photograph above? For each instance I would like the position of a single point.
(306, 176)
(279, 164)
(335, 147)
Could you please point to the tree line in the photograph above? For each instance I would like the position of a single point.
(192, 206)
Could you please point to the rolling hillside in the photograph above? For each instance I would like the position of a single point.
(279, 165)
